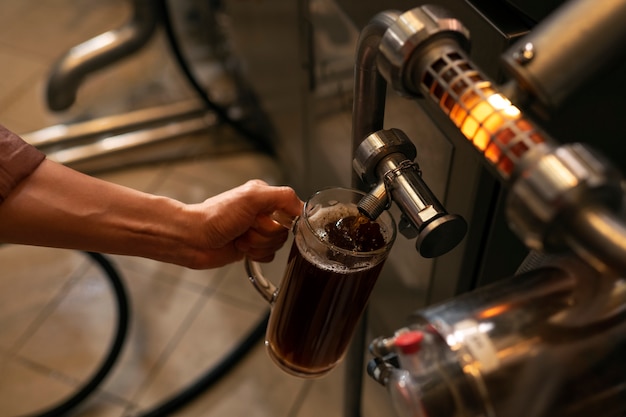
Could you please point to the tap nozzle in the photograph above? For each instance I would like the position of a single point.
(375, 202)
(384, 160)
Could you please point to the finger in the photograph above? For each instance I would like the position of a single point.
(259, 254)
(267, 226)
(266, 199)
(219, 257)
(262, 257)
(254, 240)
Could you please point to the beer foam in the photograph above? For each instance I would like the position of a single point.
(328, 265)
(320, 216)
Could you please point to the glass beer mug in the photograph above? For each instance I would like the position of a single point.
(335, 259)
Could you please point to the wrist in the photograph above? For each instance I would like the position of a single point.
(168, 231)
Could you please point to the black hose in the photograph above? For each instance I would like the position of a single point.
(122, 329)
(198, 387)
(172, 39)
(177, 401)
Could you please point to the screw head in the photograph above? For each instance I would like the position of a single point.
(525, 54)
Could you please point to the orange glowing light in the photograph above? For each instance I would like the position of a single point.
(494, 311)
(463, 108)
(493, 153)
(487, 119)
(480, 116)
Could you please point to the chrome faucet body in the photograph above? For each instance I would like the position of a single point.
(384, 160)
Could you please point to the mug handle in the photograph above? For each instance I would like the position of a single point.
(265, 287)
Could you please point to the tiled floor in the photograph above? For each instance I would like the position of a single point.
(57, 312)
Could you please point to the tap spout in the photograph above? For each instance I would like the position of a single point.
(71, 69)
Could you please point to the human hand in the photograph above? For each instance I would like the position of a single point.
(237, 223)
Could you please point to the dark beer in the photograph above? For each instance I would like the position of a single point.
(321, 301)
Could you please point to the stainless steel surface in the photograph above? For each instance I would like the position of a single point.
(466, 183)
(556, 185)
(599, 235)
(374, 149)
(371, 101)
(83, 59)
(491, 24)
(369, 93)
(376, 202)
(555, 192)
(413, 29)
(548, 182)
(591, 114)
(377, 146)
(439, 70)
(559, 65)
(548, 343)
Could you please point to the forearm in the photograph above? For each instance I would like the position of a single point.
(60, 207)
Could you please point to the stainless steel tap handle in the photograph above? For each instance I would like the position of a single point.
(384, 160)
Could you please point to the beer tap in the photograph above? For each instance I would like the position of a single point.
(384, 159)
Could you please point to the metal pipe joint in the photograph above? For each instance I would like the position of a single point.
(546, 196)
(418, 29)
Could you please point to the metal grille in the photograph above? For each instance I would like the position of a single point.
(495, 127)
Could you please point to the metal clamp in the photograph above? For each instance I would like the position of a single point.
(390, 176)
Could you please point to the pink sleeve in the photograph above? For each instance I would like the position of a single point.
(18, 160)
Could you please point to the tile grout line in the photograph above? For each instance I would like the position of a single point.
(74, 278)
(174, 341)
